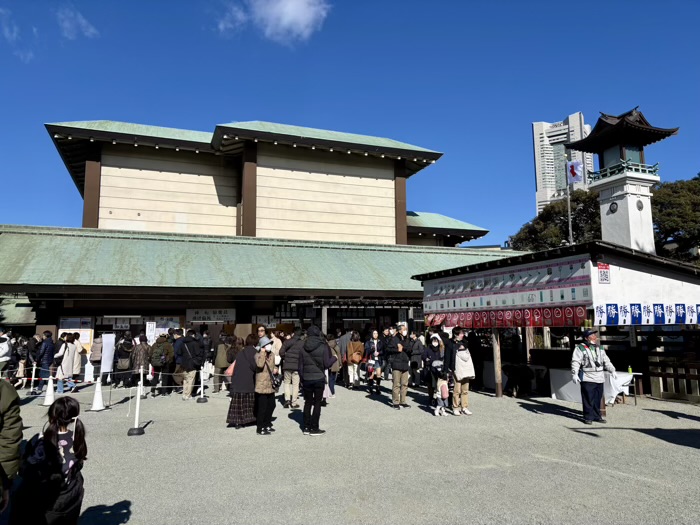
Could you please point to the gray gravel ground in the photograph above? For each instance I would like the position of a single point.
(515, 461)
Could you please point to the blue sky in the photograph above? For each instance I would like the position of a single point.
(463, 77)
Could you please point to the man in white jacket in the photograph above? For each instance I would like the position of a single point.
(588, 366)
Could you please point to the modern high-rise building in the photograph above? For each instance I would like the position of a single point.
(551, 156)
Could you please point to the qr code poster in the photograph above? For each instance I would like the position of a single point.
(603, 273)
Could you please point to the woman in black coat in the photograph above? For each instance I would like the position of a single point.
(241, 410)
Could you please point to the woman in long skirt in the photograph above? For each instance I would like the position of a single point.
(241, 410)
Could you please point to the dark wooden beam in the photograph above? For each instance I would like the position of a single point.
(400, 175)
(91, 194)
(249, 190)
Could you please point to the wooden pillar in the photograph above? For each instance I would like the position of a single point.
(497, 362)
(400, 201)
(91, 194)
(529, 341)
(249, 190)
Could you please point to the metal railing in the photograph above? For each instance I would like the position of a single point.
(622, 167)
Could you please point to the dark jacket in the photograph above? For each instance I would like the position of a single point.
(291, 352)
(369, 348)
(243, 380)
(451, 352)
(192, 354)
(10, 429)
(209, 350)
(316, 357)
(431, 354)
(46, 351)
(417, 349)
(161, 346)
(399, 360)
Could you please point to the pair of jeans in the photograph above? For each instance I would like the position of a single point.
(460, 396)
(591, 396)
(313, 396)
(291, 386)
(399, 387)
(332, 376)
(43, 375)
(265, 408)
(69, 383)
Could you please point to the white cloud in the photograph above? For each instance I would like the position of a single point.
(73, 24)
(25, 56)
(287, 21)
(233, 18)
(9, 29)
(283, 21)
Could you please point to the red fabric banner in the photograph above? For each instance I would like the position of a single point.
(518, 318)
(558, 316)
(500, 319)
(547, 316)
(469, 320)
(429, 319)
(477, 320)
(579, 315)
(536, 317)
(508, 317)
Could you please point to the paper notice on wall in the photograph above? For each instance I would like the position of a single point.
(107, 353)
(603, 273)
(151, 332)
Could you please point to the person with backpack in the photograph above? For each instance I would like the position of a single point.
(50, 486)
(191, 358)
(162, 358)
(123, 352)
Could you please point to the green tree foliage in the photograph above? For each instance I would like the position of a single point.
(550, 228)
(676, 209)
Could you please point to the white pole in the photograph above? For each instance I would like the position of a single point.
(201, 398)
(33, 376)
(142, 389)
(137, 430)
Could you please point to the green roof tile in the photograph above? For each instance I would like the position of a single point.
(322, 134)
(125, 258)
(141, 130)
(420, 219)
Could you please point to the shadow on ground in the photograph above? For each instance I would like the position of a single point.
(674, 414)
(540, 407)
(684, 437)
(115, 514)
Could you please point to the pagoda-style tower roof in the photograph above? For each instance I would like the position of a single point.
(628, 129)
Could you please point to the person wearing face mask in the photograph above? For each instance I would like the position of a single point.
(264, 391)
(400, 364)
(435, 351)
(416, 355)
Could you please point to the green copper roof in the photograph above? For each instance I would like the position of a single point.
(99, 258)
(16, 311)
(421, 219)
(140, 130)
(322, 134)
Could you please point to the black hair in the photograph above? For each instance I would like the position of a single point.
(456, 331)
(63, 335)
(143, 339)
(76, 335)
(191, 333)
(178, 331)
(70, 338)
(355, 336)
(62, 412)
(252, 340)
(128, 336)
(47, 334)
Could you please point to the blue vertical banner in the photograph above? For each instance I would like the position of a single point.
(670, 314)
(659, 315)
(680, 313)
(613, 314)
(636, 314)
(624, 312)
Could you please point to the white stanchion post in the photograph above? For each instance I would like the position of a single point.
(50, 396)
(201, 398)
(97, 402)
(32, 386)
(89, 371)
(142, 388)
(136, 430)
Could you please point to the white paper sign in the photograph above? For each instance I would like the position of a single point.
(151, 332)
(107, 353)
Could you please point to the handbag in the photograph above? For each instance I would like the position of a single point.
(275, 378)
(123, 363)
(230, 369)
